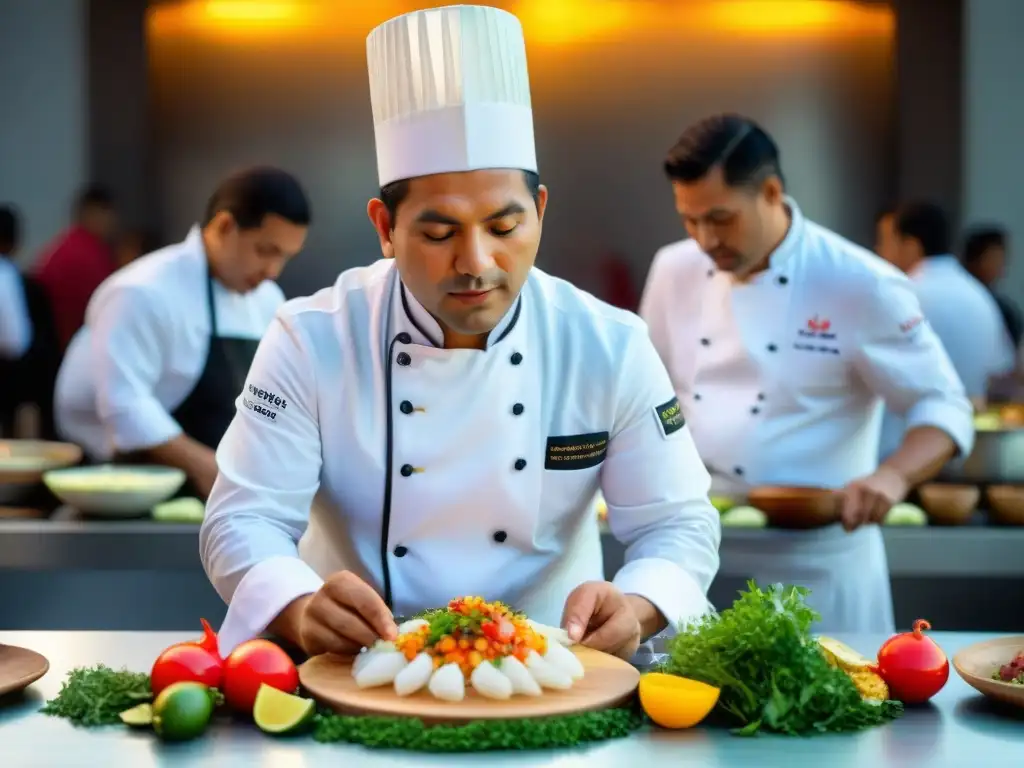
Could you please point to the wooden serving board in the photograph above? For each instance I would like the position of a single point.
(19, 668)
(608, 682)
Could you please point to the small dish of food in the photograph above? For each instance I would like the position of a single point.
(948, 504)
(795, 507)
(23, 462)
(994, 668)
(114, 490)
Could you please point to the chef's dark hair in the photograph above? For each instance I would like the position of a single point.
(980, 239)
(10, 230)
(93, 196)
(255, 193)
(927, 223)
(394, 193)
(744, 151)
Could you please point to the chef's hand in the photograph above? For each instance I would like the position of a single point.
(346, 614)
(870, 498)
(599, 616)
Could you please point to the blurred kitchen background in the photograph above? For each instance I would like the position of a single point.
(871, 102)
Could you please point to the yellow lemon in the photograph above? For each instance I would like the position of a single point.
(676, 702)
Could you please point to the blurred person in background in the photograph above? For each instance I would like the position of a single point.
(168, 340)
(29, 353)
(15, 323)
(132, 244)
(915, 238)
(984, 256)
(783, 339)
(73, 266)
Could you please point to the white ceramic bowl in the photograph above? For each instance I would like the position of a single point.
(114, 490)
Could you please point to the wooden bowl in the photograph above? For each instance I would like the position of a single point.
(1006, 504)
(949, 504)
(796, 507)
(23, 462)
(976, 664)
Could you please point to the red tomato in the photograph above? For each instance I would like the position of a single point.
(913, 665)
(250, 665)
(185, 662)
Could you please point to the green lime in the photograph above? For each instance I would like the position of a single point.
(182, 711)
(279, 712)
(138, 716)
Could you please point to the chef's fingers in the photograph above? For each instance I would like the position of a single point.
(881, 508)
(343, 623)
(615, 633)
(318, 638)
(580, 607)
(853, 509)
(350, 591)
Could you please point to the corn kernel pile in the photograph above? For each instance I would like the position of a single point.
(471, 631)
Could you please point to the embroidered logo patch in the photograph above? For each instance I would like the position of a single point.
(263, 402)
(576, 451)
(670, 416)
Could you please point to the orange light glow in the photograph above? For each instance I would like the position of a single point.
(547, 23)
(782, 17)
(555, 22)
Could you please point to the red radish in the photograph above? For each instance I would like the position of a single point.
(249, 666)
(913, 665)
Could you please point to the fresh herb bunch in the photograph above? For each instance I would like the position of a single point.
(97, 695)
(479, 736)
(771, 671)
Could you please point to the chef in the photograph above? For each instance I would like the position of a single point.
(783, 339)
(965, 316)
(437, 423)
(168, 339)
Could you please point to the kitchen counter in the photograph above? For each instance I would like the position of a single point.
(957, 730)
(70, 574)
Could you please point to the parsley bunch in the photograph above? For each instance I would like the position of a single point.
(771, 672)
(97, 695)
(478, 736)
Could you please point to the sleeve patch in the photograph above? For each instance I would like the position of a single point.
(670, 416)
(263, 402)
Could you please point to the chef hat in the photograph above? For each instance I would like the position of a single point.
(450, 92)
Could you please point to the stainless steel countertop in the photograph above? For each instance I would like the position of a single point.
(969, 550)
(957, 730)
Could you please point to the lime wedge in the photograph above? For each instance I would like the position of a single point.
(139, 716)
(279, 712)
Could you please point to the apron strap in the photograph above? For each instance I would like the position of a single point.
(210, 303)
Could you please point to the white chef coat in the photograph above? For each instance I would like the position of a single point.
(143, 347)
(782, 378)
(968, 322)
(15, 323)
(495, 457)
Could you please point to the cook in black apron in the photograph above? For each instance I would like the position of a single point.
(207, 411)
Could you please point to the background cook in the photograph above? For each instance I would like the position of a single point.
(168, 339)
(783, 339)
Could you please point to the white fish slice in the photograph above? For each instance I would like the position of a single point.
(553, 634)
(414, 676)
(520, 677)
(360, 661)
(447, 683)
(548, 675)
(561, 657)
(412, 625)
(489, 682)
(380, 669)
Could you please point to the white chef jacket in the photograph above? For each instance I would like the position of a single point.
(15, 323)
(495, 456)
(144, 346)
(968, 322)
(781, 379)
